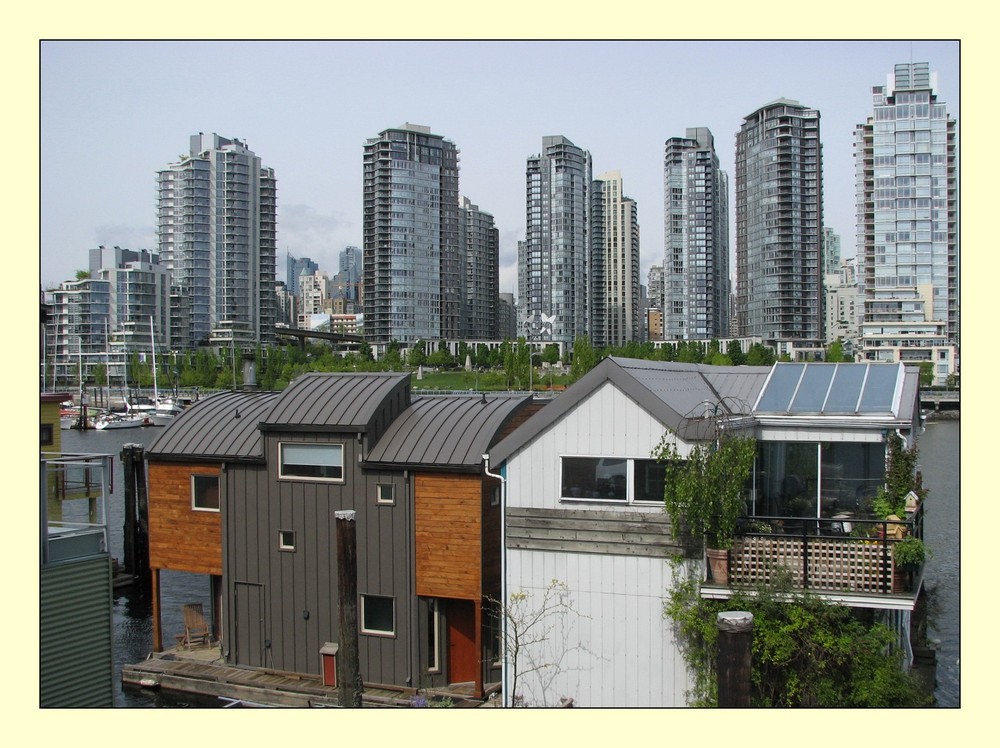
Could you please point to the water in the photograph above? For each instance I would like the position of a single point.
(133, 628)
(133, 608)
(939, 463)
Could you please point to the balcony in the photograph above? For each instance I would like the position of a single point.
(75, 512)
(845, 559)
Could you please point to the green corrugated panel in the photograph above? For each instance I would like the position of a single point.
(76, 663)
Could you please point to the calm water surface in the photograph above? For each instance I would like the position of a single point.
(133, 628)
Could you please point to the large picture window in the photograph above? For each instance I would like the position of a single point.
(205, 493)
(312, 461)
(378, 615)
(617, 479)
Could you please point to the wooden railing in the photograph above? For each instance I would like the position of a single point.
(819, 555)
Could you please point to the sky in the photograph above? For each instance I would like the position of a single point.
(113, 113)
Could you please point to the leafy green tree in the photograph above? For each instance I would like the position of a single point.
(82, 275)
(550, 355)
(735, 353)
(417, 355)
(835, 353)
(584, 357)
(760, 355)
(442, 358)
(926, 373)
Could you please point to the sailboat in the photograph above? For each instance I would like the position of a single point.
(164, 410)
(127, 420)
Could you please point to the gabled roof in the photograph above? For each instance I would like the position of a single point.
(445, 431)
(678, 395)
(222, 426)
(334, 401)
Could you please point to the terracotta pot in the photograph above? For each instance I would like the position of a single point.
(718, 565)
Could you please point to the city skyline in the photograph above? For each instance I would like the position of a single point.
(314, 130)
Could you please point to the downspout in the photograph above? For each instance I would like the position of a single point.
(503, 573)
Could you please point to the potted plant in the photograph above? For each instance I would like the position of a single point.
(908, 555)
(705, 493)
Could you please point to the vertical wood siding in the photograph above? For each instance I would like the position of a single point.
(181, 538)
(305, 581)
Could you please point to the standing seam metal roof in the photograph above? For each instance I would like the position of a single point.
(452, 431)
(331, 400)
(211, 429)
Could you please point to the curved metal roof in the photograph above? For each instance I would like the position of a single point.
(332, 401)
(216, 427)
(452, 431)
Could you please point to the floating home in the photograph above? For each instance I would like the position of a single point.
(428, 523)
(584, 506)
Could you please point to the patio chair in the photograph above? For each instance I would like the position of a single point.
(195, 628)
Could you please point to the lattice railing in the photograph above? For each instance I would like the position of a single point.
(823, 564)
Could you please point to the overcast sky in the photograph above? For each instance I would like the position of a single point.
(113, 113)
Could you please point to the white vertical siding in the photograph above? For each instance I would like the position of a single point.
(615, 648)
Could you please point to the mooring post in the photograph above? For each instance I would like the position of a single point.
(136, 528)
(733, 664)
(349, 682)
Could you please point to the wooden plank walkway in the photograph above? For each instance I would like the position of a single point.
(259, 686)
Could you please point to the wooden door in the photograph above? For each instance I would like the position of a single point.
(463, 654)
(249, 634)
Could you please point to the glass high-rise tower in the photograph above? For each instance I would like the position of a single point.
(413, 267)
(695, 281)
(216, 222)
(779, 223)
(614, 267)
(553, 293)
(907, 201)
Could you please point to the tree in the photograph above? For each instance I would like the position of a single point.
(417, 355)
(805, 652)
(835, 353)
(550, 355)
(584, 357)
(534, 636)
(926, 373)
(735, 353)
(82, 275)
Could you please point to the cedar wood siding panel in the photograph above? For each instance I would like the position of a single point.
(306, 580)
(181, 538)
(449, 532)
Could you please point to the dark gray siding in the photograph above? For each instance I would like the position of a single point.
(594, 531)
(303, 582)
(75, 656)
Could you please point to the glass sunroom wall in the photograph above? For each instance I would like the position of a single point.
(817, 479)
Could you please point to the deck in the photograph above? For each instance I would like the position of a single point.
(202, 671)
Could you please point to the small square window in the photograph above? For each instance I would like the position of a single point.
(205, 493)
(286, 540)
(378, 615)
(385, 493)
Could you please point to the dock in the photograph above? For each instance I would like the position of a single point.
(203, 671)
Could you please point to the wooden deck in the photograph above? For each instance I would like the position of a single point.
(202, 671)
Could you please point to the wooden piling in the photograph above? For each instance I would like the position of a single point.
(349, 683)
(136, 527)
(733, 663)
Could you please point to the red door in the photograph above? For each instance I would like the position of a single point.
(463, 657)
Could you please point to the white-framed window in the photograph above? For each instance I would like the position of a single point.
(385, 493)
(433, 636)
(320, 462)
(205, 493)
(620, 480)
(378, 615)
(286, 540)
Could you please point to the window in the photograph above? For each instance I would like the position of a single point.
(618, 479)
(46, 434)
(433, 636)
(385, 494)
(312, 461)
(378, 615)
(286, 540)
(205, 493)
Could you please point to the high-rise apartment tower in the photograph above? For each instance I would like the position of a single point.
(779, 220)
(481, 247)
(907, 200)
(216, 222)
(553, 293)
(614, 266)
(696, 282)
(414, 273)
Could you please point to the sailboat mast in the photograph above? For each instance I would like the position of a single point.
(152, 342)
